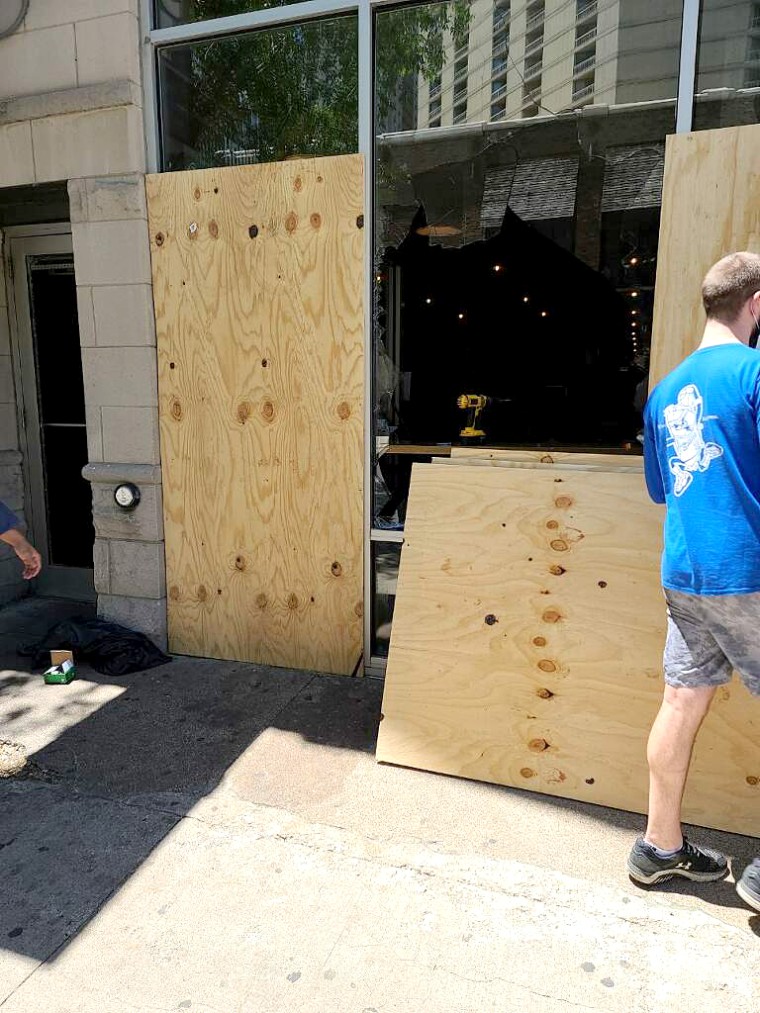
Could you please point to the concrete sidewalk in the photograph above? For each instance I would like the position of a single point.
(218, 837)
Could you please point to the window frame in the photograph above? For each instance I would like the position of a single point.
(155, 39)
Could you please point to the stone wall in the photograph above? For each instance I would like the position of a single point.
(112, 265)
(71, 110)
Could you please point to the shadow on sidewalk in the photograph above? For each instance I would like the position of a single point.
(113, 778)
(117, 763)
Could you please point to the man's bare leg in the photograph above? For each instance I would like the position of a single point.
(669, 753)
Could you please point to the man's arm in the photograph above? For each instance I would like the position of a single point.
(652, 471)
(10, 534)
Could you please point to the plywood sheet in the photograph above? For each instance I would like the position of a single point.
(634, 465)
(710, 207)
(527, 642)
(258, 279)
(545, 457)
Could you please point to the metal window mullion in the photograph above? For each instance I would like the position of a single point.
(688, 67)
(271, 17)
(150, 88)
(366, 63)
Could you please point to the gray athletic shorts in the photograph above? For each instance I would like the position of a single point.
(711, 635)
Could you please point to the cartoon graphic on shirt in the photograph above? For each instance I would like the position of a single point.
(685, 421)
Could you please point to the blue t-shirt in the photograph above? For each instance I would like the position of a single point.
(8, 519)
(702, 458)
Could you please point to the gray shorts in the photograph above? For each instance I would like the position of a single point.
(711, 635)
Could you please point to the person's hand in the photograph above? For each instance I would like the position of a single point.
(25, 551)
(30, 558)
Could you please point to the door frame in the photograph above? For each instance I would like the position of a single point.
(23, 241)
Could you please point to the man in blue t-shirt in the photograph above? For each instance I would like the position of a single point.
(702, 459)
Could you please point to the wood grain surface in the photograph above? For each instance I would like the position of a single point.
(567, 462)
(710, 207)
(527, 643)
(542, 458)
(258, 280)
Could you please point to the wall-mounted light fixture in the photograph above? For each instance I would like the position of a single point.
(126, 495)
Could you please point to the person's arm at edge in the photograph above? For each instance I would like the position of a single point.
(10, 534)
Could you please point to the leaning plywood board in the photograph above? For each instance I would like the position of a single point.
(544, 457)
(527, 642)
(634, 465)
(710, 207)
(257, 279)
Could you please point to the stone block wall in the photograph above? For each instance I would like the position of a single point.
(71, 110)
(112, 265)
(70, 85)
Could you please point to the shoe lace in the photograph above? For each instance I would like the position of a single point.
(691, 851)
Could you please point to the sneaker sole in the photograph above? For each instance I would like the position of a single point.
(749, 898)
(664, 875)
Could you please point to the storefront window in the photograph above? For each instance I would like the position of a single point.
(728, 64)
(516, 242)
(167, 13)
(261, 97)
(386, 557)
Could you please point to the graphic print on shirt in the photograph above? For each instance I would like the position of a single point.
(691, 452)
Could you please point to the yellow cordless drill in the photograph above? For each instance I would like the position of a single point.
(475, 403)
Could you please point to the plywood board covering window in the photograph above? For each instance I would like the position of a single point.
(710, 207)
(527, 643)
(258, 275)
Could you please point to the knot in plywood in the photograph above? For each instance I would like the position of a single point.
(539, 641)
(174, 592)
(552, 525)
(752, 780)
(344, 410)
(490, 619)
(192, 230)
(253, 231)
(261, 601)
(291, 222)
(176, 410)
(292, 602)
(360, 221)
(213, 229)
(160, 237)
(538, 745)
(240, 562)
(544, 693)
(551, 616)
(557, 570)
(244, 410)
(197, 193)
(563, 502)
(359, 609)
(298, 184)
(336, 569)
(267, 411)
(202, 593)
(558, 544)
(546, 665)
(527, 772)
(315, 219)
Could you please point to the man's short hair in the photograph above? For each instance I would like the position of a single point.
(729, 284)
